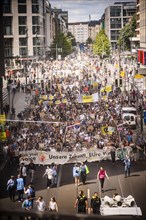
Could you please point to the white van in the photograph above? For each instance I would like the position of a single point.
(129, 119)
(130, 110)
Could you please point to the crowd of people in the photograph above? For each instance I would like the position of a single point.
(60, 120)
(73, 125)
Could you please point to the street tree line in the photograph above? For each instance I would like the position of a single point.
(63, 43)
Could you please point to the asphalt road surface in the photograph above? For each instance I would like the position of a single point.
(66, 191)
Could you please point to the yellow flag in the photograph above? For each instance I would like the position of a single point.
(104, 130)
(57, 102)
(87, 99)
(108, 88)
(122, 74)
(95, 84)
(138, 76)
(64, 100)
(44, 97)
(50, 97)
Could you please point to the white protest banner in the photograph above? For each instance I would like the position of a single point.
(43, 157)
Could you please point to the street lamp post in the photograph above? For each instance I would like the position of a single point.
(26, 31)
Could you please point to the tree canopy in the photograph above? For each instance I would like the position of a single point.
(61, 45)
(101, 45)
(126, 33)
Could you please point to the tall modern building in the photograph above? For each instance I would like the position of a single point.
(83, 30)
(29, 28)
(79, 30)
(116, 16)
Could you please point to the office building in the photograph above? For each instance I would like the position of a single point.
(29, 28)
(116, 17)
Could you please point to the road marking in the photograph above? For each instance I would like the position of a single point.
(88, 193)
(120, 186)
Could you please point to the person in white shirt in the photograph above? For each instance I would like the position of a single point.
(41, 206)
(53, 205)
(49, 174)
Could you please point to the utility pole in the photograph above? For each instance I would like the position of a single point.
(2, 68)
(56, 52)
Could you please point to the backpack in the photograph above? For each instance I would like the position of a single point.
(32, 192)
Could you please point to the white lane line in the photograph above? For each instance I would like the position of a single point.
(122, 193)
(88, 197)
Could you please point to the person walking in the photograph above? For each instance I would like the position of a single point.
(113, 154)
(11, 188)
(95, 203)
(31, 170)
(76, 174)
(49, 174)
(23, 172)
(83, 172)
(101, 175)
(20, 187)
(54, 177)
(41, 205)
(127, 163)
(81, 202)
(53, 205)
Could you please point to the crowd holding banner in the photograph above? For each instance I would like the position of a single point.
(46, 158)
(77, 116)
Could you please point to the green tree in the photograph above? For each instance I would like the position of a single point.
(101, 45)
(89, 40)
(72, 38)
(61, 45)
(126, 33)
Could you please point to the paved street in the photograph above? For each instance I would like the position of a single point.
(66, 191)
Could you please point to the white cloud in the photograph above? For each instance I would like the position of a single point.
(79, 10)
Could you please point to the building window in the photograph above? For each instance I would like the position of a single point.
(22, 30)
(6, 6)
(21, 8)
(8, 47)
(7, 25)
(115, 11)
(35, 20)
(115, 22)
(114, 34)
(22, 20)
(23, 41)
(35, 8)
(36, 30)
(37, 51)
(23, 51)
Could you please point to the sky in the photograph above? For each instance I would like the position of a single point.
(81, 10)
